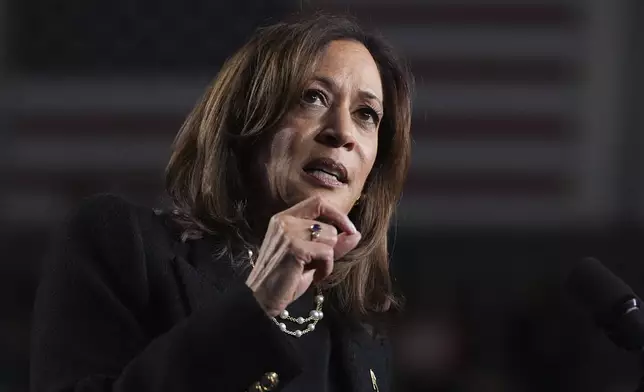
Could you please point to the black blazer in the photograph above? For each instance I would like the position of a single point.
(123, 305)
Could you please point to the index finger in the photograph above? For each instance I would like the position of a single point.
(316, 207)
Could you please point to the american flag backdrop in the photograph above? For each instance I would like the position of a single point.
(516, 110)
(519, 123)
(516, 116)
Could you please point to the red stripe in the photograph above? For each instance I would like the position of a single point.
(471, 184)
(86, 181)
(428, 125)
(493, 70)
(113, 124)
(527, 15)
(491, 127)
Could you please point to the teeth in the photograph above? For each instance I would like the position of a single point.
(337, 177)
(322, 173)
(332, 174)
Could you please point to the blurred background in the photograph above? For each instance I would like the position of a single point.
(527, 156)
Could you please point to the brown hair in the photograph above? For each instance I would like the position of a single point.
(252, 93)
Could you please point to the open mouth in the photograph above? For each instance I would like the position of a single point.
(327, 171)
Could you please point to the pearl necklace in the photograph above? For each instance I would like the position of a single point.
(315, 315)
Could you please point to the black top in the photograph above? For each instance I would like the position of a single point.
(123, 305)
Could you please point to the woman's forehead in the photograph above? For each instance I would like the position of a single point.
(349, 64)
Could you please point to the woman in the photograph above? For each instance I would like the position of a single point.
(270, 272)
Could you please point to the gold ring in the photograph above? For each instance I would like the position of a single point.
(315, 230)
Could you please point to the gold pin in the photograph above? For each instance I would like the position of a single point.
(374, 383)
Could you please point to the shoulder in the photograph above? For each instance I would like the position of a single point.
(114, 232)
(108, 241)
(111, 217)
(104, 210)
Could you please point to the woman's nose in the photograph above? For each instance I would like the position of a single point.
(338, 131)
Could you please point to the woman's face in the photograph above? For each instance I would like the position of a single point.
(327, 144)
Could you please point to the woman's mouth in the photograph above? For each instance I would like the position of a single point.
(326, 172)
(323, 178)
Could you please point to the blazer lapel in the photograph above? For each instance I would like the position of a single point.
(363, 357)
(203, 276)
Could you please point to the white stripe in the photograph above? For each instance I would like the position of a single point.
(85, 154)
(424, 41)
(95, 96)
(515, 157)
(489, 99)
(103, 96)
(461, 3)
(418, 211)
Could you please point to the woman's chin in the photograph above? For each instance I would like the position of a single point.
(337, 199)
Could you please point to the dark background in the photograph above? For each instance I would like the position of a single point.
(527, 156)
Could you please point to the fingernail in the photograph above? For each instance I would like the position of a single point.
(354, 230)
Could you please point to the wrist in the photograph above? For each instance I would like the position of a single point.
(262, 301)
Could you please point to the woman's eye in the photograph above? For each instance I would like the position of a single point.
(368, 115)
(314, 97)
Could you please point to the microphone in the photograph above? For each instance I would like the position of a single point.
(613, 304)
